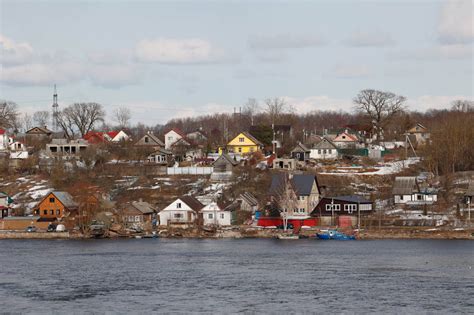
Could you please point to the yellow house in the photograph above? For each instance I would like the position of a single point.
(243, 143)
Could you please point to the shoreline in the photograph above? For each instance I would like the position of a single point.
(374, 234)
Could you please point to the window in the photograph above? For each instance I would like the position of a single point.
(343, 137)
(178, 215)
(401, 197)
(324, 151)
(51, 199)
(329, 151)
(146, 139)
(301, 197)
(170, 138)
(419, 197)
(335, 207)
(51, 212)
(45, 212)
(251, 149)
(350, 208)
(210, 216)
(240, 150)
(301, 210)
(319, 151)
(222, 216)
(58, 212)
(137, 218)
(242, 139)
(178, 205)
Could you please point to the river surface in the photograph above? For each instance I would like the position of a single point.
(231, 276)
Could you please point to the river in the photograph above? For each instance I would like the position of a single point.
(231, 276)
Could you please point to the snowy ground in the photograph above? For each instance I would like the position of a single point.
(385, 169)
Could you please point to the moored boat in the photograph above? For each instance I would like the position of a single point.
(287, 237)
(334, 235)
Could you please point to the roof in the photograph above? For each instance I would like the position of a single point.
(254, 140)
(302, 183)
(228, 158)
(162, 151)
(300, 148)
(213, 206)
(470, 189)
(154, 138)
(113, 134)
(417, 128)
(350, 198)
(2, 131)
(143, 207)
(42, 129)
(178, 131)
(249, 198)
(91, 135)
(348, 135)
(192, 202)
(65, 198)
(325, 144)
(3, 195)
(404, 185)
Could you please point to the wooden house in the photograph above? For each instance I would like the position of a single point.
(39, 133)
(342, 205)
(138, 214)
(243, 143)
(160, 156)
(247, 202)
(216, 215)
(420, 133)
(300, 152)
(150, 140)
(56, 205)
(183, 212)
(223, 167)
(406, 190)
(324, 150)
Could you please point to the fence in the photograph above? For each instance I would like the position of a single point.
(189, 170)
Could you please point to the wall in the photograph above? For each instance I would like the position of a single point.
(48, 206)
(189, 170)
(21, 224)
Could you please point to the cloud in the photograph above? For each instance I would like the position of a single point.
(178, 51)
(452, 51)
(284, 41)
(349, 72)
(426, 102)
(456, 24)
(115, 75)
(369, 39)
(14, 52)
(318, 102)
(42, 74)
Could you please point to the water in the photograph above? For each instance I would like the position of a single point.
(230, 276)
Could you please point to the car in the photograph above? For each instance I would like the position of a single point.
(52, 228)
(31, 228)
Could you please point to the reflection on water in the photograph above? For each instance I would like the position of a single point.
(228, 276)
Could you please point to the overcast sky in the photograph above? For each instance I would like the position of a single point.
(173, 59)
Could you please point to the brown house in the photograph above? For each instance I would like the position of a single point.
(138, 214)
(55, 205)
(39, 132)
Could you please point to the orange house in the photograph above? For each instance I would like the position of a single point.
(55, 205)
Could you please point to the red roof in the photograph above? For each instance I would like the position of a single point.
(112, 134)
(178, 131)
(94, 137)
(2, 131)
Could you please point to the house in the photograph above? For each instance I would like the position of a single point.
(342, 205)
(345, 140)
(300, 152)
(15, 145)
(420, 133)
(4, 205)
(150, 140)
(64, 147)
(160, 156)
(298, 193)
(183, 212)
(324, 150)
(55, 205)
(223, 168)
(406, 190)
(94, 137)
(469, 195)
(17, 157)
(116, 136)
(4, 140)
(39, 133)
(243, 143)
(196, 136)
(247, 202)
(172, 136)
(214, 214)
(286, 164)
(138, 214)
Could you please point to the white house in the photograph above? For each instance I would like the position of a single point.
(116, 136)
(420, 132)
(346, 140)
(173, 136)
(406, 190)
(184, 212)
(15, 145)
(4, 140)
(213, 214)
(324, 150)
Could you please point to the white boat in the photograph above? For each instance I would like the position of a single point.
(288, 237)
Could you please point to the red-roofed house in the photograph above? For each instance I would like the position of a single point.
(346, 140)
(116, 136)
(172, 136)
(94, 137)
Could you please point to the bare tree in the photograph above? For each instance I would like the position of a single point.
(122, 116)
(275, 108)
(26, 122)
(8, 114)
(80, 117)
(284, 198)
(463, 106)
(251, 108)
(41, 118)
(379, 106)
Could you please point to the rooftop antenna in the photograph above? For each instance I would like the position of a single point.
(55, 109)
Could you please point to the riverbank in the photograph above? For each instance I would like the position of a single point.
(237, 233)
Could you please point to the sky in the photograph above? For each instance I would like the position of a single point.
(182, 58)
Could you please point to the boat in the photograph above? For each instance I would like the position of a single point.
(287, 237)
(334, 235)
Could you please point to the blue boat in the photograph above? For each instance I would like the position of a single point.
(334, 235)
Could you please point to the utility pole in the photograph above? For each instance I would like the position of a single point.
(55, 109)
(358, 221)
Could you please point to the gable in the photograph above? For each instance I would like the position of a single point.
(46, 201)
(246, 140)
(345, 137)
(173, 206)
